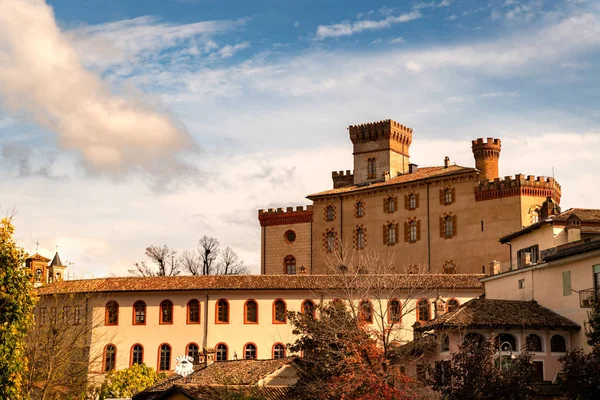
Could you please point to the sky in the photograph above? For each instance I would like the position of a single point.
(125, 124)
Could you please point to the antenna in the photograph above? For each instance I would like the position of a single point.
(37, 246)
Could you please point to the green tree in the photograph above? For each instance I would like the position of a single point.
(129, 381)
(593, 329)
(16, 313)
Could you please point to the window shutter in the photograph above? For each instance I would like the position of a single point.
(395, 203)
(418, 230)
(417, 200)
(406, 205)
(396, 229)
(566, 281)
(385, 233)
(453, 195)
(385, 204)
(454, 229)
(442, 202)
(442, 227)
(406, 232)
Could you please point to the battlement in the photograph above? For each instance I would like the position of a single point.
(381, 130)
(519, 185)
(289, 215)
(341, 179)
(489, 142)
(385, 124)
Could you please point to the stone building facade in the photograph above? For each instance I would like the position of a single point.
(437, 219)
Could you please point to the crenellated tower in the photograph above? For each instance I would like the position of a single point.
(487, 154)
(380, 150)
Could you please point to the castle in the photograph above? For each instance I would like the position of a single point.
(438, 219)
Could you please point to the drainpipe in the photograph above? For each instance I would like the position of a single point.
(205, 339)
(264, 257)
(341, 225)
(428, 231)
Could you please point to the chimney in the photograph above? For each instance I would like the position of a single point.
(549, 208)
(495, 267)
(487, 154)
(412, 168)
(446, 162)
(573, 229)
(386, 176)
(302, 270)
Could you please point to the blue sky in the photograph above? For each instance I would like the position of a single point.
(127, 123)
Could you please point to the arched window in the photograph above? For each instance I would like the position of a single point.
(452, 305)
(278, 350)
(360, 209)
(251, 312)
(371, 168)
(474, 337)
(558, 344)
(250, 351)
(139, 313)
(365, 309)
(38, 275)
(279, 309)
(222, 311)
(391, 234)
(394, 311)
(137, 354)
(290, 265)
(535, 215)
(110, 357)
(164, 357)
(360, 238)
(412, 201)
(507, 342)
(423, 310)
(221, 352)
(111, 316)
(330, 213)
(412, 231)
(193, 312)
(166, 312)
(309, 308)
(193, 351)
(330, 241)
(390, 204)
(533, 342)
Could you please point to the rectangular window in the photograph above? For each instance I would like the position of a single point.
(66, 315)
(528, 256)
(413, 232)
(566, 281)
(521, 283)
(391, 234)
(538, 375)
(43, 316)
(77, 315)
(448, 228)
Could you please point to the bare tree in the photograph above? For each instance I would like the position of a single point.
(165, 262)
(230, 264)
(190, 262)
(58, 347)
(208, 250)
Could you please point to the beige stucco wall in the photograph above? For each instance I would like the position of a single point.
(543, 283)
(235, 334)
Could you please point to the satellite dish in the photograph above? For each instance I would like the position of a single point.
(184, 365)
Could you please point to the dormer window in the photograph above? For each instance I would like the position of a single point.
(371, 169)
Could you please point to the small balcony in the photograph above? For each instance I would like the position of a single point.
(587, 297)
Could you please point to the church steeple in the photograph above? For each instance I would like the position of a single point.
(56, 269)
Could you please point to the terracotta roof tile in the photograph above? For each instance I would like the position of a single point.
(258, 282)
(218, 392)
(584, 214)
(483, 312)
(422, 173)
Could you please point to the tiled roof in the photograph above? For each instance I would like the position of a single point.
(584, 214)
(257, 282)
(198, 392)
(38, 257)
(422, 173)
(230, 373)
(490, 313)
(588, 215)
(56, 261)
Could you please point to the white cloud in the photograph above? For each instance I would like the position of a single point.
(41, 74)
(442, 3)
(397, 40)
(377, 41)
(350, 28)
(452, 17)
(229, 50)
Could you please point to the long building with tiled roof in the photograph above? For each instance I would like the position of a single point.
(438, 219)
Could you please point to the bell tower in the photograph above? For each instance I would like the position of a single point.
(380, 150)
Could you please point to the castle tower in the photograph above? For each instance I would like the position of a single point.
(380, 150)
(487, 154)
